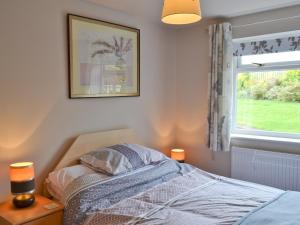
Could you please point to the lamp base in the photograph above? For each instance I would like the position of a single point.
(23, 200)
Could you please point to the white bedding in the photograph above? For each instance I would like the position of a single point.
(216, 201)
(58, 181)
(195, 198)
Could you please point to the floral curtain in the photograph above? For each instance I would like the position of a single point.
(286, 44)
(220, 86)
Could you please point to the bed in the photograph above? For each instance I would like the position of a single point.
(165, 192)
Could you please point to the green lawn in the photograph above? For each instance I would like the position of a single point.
(268, 115)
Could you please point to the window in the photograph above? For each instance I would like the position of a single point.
(267, 94)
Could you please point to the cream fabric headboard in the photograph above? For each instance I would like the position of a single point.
(89, 142)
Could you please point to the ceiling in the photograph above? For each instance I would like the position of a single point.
(151, 9)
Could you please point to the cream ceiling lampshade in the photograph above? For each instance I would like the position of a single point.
(181, 11)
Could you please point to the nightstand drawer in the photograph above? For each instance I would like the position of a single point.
(53, 219)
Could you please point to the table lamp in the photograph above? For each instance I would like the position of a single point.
(178, 155)
(22, 184)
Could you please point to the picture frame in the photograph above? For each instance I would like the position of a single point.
(104, 59)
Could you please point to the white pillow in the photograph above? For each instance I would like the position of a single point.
(148, 155)
(122, 158)
(57, 181)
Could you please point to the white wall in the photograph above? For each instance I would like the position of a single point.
(192, 84)
(37, 120)
(192, 99)
(266, 28)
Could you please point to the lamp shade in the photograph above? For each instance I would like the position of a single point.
(181, 11)
(22, 184)
(178, 154)
(21, 177)
(21, 171)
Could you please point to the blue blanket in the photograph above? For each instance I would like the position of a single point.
(283, 210)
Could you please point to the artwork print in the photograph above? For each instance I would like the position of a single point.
(104, 59)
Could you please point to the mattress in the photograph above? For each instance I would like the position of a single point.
(168, 193)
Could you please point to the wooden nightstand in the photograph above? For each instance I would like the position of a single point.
(37, 214)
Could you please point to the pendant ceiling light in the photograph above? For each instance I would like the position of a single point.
(181, 11)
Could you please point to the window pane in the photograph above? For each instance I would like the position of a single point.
(269, 101)
(271, 58)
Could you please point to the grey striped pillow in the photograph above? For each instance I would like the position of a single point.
(121, 158)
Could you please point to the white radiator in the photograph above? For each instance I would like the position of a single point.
(274, 169)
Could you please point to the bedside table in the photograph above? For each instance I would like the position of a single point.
(43, 212)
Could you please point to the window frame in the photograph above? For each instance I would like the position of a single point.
(239, 68)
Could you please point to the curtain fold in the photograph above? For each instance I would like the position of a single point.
(220, 86)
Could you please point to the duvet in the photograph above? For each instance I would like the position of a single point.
(168, 193)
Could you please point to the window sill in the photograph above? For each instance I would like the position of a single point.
(245, 137)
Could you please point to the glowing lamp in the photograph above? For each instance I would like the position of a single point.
(181, 12)
(22, 184)
(178, 155)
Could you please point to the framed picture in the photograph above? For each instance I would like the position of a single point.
(104, 59)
